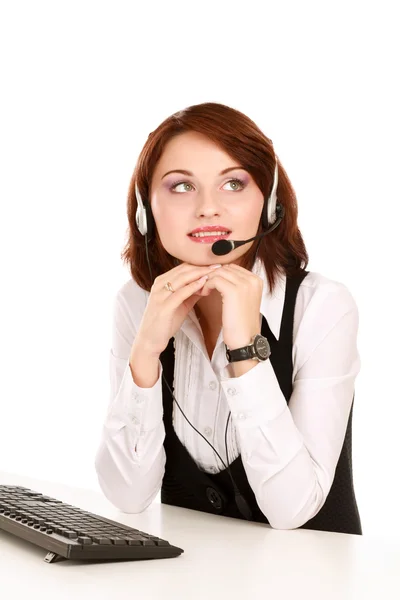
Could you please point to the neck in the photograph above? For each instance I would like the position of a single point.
(209, 311)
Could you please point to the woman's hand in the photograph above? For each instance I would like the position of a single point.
(241, 292)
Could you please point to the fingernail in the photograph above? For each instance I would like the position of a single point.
(215, 266)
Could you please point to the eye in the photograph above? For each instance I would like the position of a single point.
(175, 185)
(236, 181)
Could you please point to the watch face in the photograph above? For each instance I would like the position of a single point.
(262, 346)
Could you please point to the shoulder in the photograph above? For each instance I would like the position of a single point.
(316, 292)
(319, 290)
(322, 303)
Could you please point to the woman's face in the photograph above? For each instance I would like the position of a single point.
(181, 202)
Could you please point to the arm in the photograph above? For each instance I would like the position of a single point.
(130, 459)
(290, 451)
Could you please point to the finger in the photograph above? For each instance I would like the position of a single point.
(240, 270)
(244, 274)
(227, 274)
(182, 278)
(186, 291)
(221, 283)
(237, 267)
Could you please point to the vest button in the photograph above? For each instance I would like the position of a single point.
(214, 498)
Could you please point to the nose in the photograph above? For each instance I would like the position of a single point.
(207, 204)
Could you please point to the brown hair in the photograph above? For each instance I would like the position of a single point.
(281, 251)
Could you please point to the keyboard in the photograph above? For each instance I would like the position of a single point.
(68, 532)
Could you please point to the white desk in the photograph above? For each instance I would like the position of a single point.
(223, 559)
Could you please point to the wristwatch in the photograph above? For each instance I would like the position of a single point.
(259, 349)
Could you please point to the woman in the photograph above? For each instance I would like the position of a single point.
(232, 386)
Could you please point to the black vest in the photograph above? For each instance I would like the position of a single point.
(184, 484)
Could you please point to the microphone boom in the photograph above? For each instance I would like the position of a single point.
(222, 247)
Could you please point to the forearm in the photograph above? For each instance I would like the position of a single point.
(130, 459)
(242, 366)
(278, 467)
(144, 366)
(297, 493)
(131, 479)
(290, 453)
(291, 496)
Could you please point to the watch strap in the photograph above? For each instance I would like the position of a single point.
(249, 351)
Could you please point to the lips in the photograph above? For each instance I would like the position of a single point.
(210, 228)
(208, 239)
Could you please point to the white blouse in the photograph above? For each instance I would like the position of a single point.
(289, 451)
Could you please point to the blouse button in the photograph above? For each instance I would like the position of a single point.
(214, 498)
(208, 431)
(232, 391)
(212, 385)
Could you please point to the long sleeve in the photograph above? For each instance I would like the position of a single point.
(290, 451)
(130, 459)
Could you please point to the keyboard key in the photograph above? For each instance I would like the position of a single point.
(118, 541)
(70, 534)
(160, 542)
(84, 540)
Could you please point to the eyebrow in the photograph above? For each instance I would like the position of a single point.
(184, 172)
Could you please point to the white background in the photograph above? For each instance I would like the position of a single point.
(82, 85)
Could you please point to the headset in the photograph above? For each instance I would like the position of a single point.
(272, 215)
